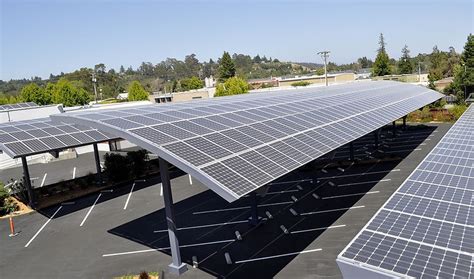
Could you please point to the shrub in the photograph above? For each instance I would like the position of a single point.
(457, 111)
(117, 167)
(7, 205)
(300, 83)
(232, 86)
(137, 162)
(144, 275)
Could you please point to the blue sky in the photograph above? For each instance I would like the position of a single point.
(50, 36)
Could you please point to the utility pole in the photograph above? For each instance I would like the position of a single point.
(325, 54)
(94, 81)
(419, 71)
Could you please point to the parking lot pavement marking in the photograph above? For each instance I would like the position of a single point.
(74, 173)
(364, 182)
(404, 150)
(44, 178)
(168, 248)
(289, 182)
(190, 179)
(161, 190)
(240, 208)
(129, 195)
(318, 229)
(205, 226)
(358, 174)
(90, 210)
(332, 210)
(350, 195)
(42, 227)
(279, 256)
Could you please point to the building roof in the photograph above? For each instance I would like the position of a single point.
(237, 144)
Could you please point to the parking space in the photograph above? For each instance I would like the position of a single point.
(307, 218)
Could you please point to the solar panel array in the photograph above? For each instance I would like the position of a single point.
(17, 106)
(236, 144)
(41, 135)
(426, 229)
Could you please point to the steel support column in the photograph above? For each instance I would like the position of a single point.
(27, 182)
(404, 122)
(254, 219)
(376, 138)
(177, 266)
(394, 128)
(351, 151)
(97, 164)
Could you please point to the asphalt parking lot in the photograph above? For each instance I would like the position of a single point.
(308, 217)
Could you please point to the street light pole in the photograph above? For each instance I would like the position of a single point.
(325, 54)
(94, 81)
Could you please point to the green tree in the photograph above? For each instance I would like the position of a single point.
(33, 93)
(226, 67)
(67, 94)
(463, 83)
(405, 65)
(435, 70)
(191, 83)
(381, 65)
(136, 92)
(232, 86)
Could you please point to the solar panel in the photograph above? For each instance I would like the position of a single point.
(426, 228)
(41, 135)
(289, 128)
(17, 106)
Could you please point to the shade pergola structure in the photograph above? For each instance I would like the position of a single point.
(426, 228)
(25, 138)
(235, 145)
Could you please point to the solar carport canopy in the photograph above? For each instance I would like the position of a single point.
(426, 229)
(29, 137)
(237, 144)
(17, 106)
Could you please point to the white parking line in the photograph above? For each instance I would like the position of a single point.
(205, 226)
(90, 210)
(350, 195)
(404, 150)
(332, 210)
(167, 248)
(288, 182)
(279, 256)
(318, 229)
(44, 178)
(357, 174)
(190, 179)
(42, 227)
(364, 182)
(161, 190)
(240, 208)
(129, 195)
(74, 173)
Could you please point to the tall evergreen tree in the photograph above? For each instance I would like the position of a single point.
(405, 65)
(226, 67)
(381, 65)
(468, 65)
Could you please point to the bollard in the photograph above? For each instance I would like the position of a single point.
(195, 262)
(12, 228)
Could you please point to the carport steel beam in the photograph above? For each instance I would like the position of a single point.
(27, 182)
(177, 266)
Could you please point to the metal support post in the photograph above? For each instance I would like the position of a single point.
(27, 182)
(404, 122)
(376, 138)
(351, 151)
(97, 164)
(254, 219)
(177, 266)
(394, 128)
